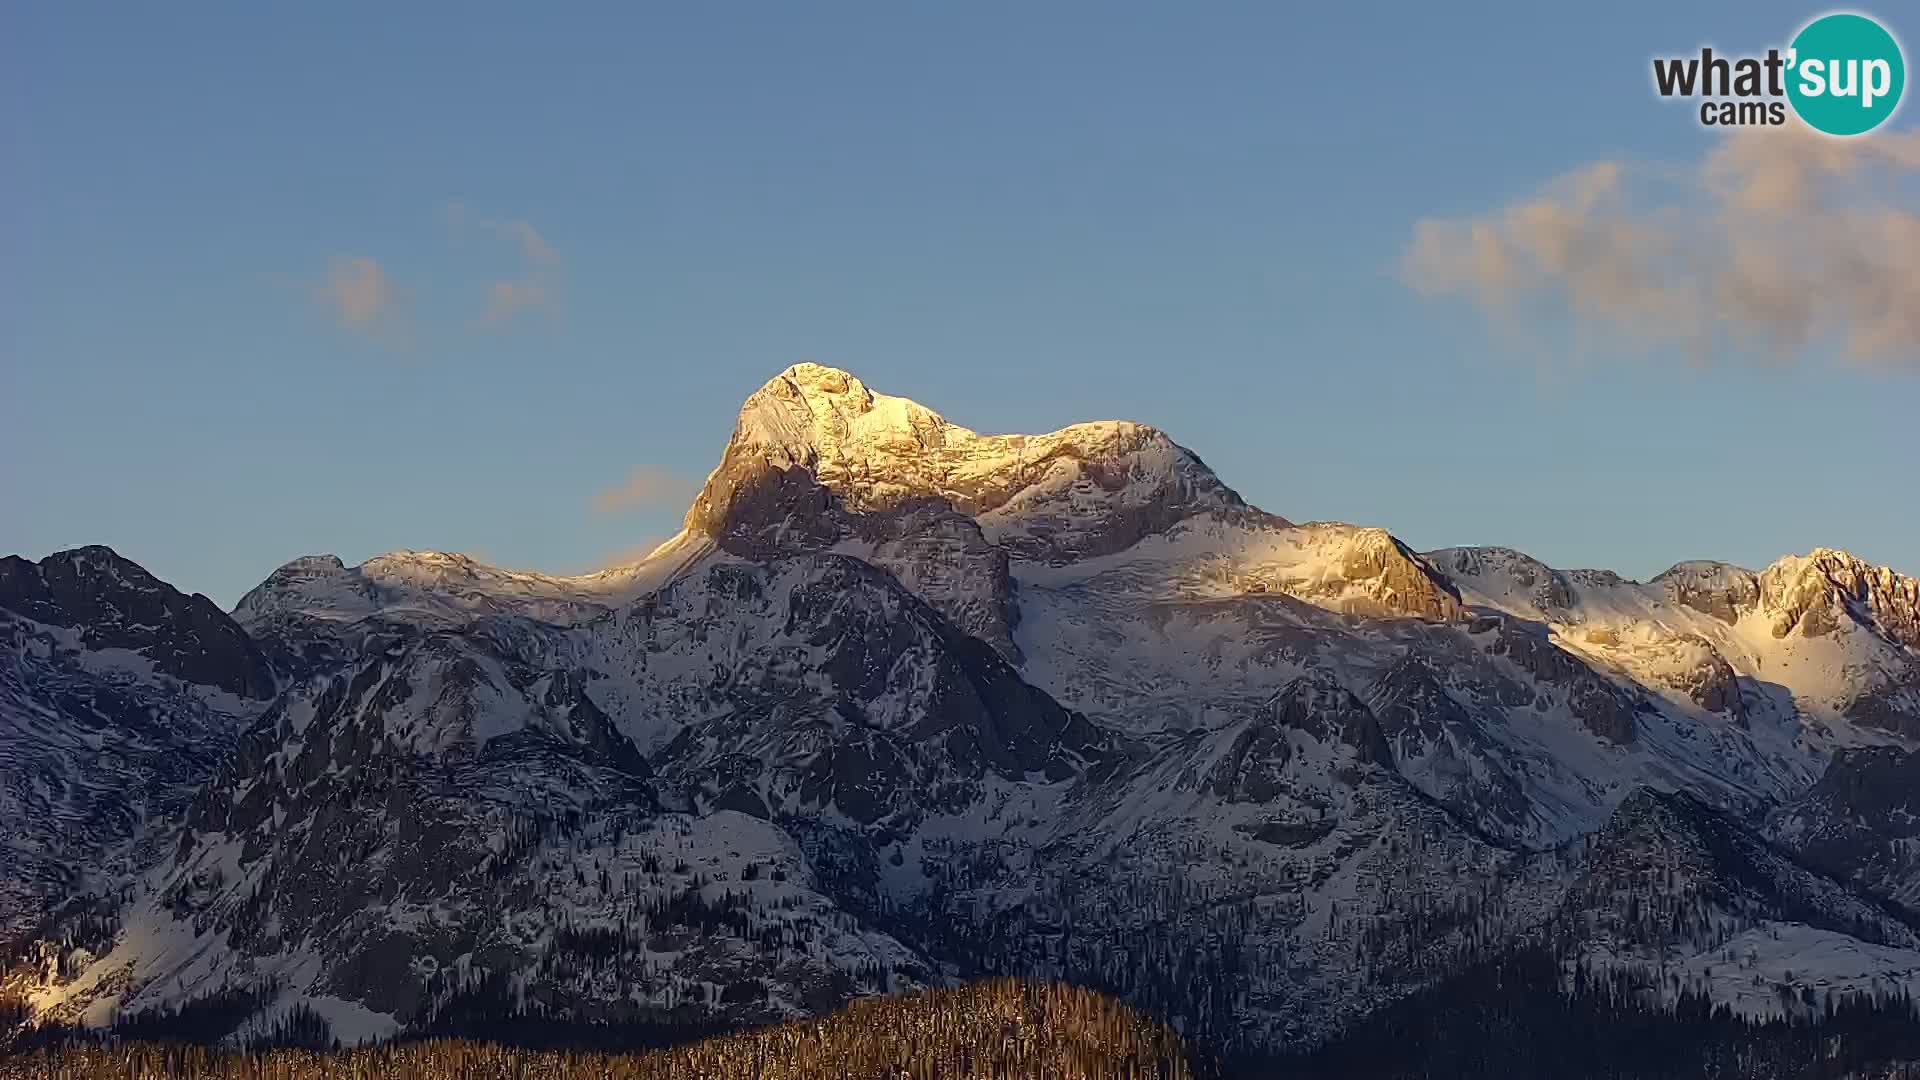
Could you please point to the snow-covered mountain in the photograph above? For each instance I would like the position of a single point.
(904, 702)
(118, 695)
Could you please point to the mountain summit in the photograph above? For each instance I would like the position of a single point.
(904, 702)
(814, 451)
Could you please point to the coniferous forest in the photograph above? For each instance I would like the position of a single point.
(996, 1028)
(1517, 1016)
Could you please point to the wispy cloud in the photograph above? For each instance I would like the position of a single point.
(646, 487)
(1779, 239)
(505, 299)
(359, 294)
(537, 284)
(533, 247)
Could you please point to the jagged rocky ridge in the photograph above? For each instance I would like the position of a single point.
(904, 702)
(118, 694)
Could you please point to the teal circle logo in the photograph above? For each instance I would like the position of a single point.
(1846, 74)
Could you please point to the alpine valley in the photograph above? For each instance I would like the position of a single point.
(904, 705)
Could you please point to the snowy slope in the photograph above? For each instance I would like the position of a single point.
(118, 696)
(441, 827)
(1086, 489)
(315, 610)
(1824, 635)
(906, 702)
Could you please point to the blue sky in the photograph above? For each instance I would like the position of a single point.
(584, 236)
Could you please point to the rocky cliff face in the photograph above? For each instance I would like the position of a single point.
(1533, 582)
(1366, 572)
(1598, 704)
(1827, 589)
(814, 446)
(1672, 875)
(945, 558)
(1861, 821)
(1717, 589)
(817, 461)
(115, 604)
(817, 685)
(118, 695)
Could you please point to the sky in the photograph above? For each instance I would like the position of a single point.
(481, 277)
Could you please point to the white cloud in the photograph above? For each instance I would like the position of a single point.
(505, 299)
(646, 486)
(1779, 239)
(536, 287)
(359, 293)
(533, 247)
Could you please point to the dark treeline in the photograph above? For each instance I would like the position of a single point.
(1520, 1015)
(490, 1011)
(997, 1028)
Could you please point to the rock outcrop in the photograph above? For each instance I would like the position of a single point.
(116, 604)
